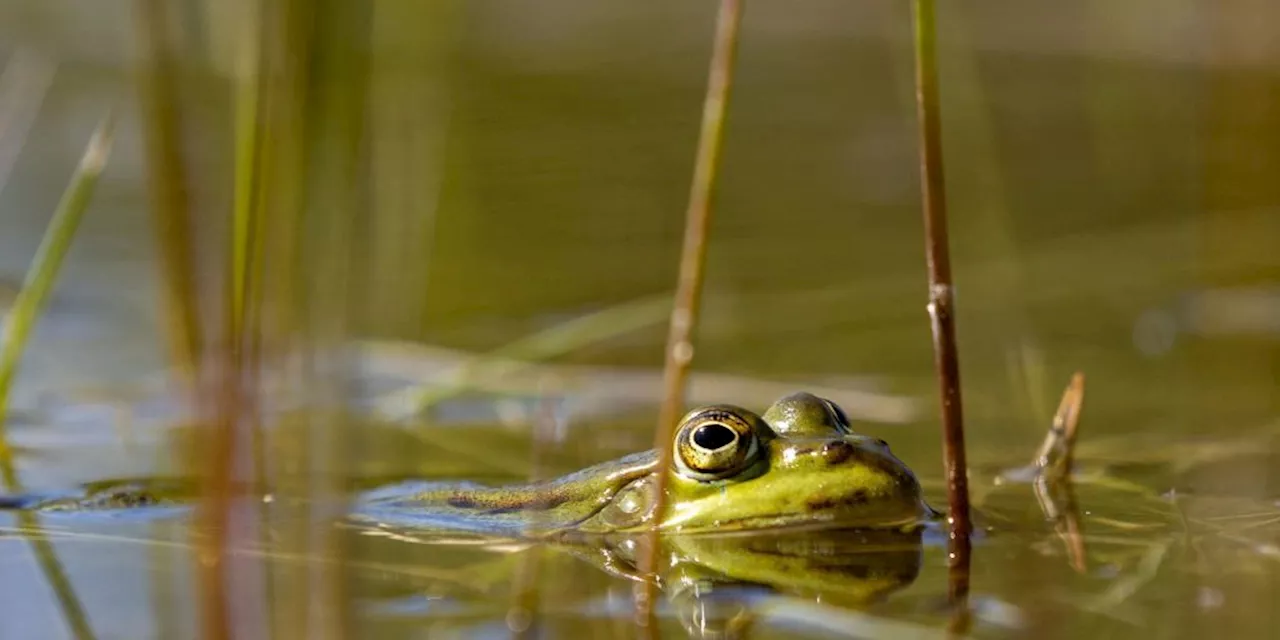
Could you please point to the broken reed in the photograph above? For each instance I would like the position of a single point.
(684, 314)
(1053, 466)
(941, 294)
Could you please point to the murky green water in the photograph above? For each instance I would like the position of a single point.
(1113, 212)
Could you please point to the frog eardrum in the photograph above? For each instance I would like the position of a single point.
(716, 442)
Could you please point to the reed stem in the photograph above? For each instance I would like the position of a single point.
(684, 314)
(941, 295)
(227, 402)
(169, 188)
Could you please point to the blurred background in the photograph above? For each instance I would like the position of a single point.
(464, 174)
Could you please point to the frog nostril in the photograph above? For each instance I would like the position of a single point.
(837, 451)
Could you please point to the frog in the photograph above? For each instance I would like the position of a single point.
(798, 463)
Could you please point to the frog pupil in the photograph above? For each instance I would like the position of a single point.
(714, 436)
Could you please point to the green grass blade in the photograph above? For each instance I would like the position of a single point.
(48, 260)
(22, 319)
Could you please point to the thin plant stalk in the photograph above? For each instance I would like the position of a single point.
(227, 394)
(246, 235)
(169, 188)
(48, 260)
(684, 314)
(1057, 454)
(41, 277)
(213, 512)
(73, 612)
(1053, 484)
(941, 296)
(333, 199)
(284, 61)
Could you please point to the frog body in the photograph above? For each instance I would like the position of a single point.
(733, 470)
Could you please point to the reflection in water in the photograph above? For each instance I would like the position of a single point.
(712, 583)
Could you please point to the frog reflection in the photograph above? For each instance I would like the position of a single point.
(714, 582)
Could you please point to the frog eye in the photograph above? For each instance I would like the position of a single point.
(716, 443)
(842, 420)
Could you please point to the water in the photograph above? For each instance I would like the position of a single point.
(1112, 210)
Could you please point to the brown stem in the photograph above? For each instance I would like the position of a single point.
(941, 298)
(169, 187)
(229, 374)
(1052, 467)
(1057, 454)
(684, 315)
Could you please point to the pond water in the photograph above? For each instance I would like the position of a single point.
(1113, 212)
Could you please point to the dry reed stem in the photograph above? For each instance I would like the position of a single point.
(941, 295)
(1053, 465)
(684, 314)
(1057, 454)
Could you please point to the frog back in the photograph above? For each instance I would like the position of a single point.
(522, 510)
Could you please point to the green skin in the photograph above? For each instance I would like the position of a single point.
(807, 468)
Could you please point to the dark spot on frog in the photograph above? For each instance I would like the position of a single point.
(852, 500)
(133, 499)
(548, 501)
(461, 502)
(507, 505)
(837, 451)
(116, 499)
